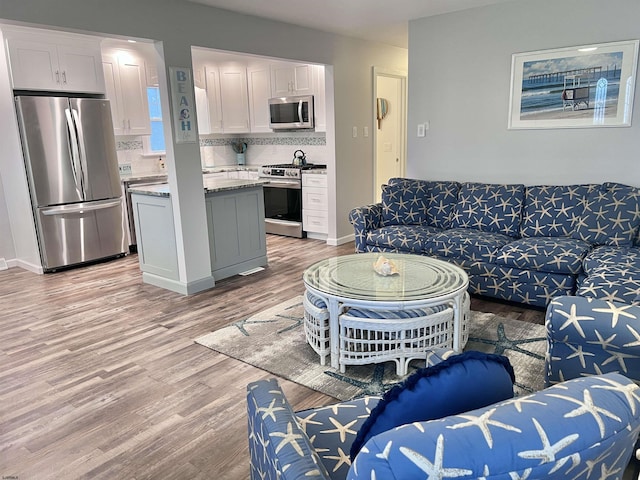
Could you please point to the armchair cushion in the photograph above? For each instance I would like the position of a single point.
(610, 217)
(584, 426)
(459, 383)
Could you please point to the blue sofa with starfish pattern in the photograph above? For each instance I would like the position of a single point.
(582, 427)
(527, 244)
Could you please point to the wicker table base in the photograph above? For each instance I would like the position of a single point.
(359, 318)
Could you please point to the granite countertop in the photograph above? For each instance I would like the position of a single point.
(230, 168)
(143, 177)
(210, 186)
(315, 171)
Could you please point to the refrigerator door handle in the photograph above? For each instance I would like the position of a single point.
(71, 125)
(81, 150)
(81, 207)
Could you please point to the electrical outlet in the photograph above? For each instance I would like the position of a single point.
(124, 169)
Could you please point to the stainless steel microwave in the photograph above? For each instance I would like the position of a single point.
(291, 113)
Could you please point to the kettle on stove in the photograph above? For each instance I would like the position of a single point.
(299, 159)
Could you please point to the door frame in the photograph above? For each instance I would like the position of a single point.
(402, 76)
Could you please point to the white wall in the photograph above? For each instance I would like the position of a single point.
(180, 25)
(459, 80)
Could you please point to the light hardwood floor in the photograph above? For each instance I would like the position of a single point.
(100, 377)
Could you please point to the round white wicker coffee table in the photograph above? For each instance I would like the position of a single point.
(373, 318)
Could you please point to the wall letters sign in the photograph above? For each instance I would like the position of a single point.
(184, 106)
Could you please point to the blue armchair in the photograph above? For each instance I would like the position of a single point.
(571, 430)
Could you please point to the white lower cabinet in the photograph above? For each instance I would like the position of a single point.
(315, 203)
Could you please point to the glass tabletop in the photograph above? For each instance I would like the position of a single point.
(353, 276)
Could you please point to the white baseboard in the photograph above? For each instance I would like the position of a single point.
(25, 265)
(342, 240)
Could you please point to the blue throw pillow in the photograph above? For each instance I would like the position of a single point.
(458, 384)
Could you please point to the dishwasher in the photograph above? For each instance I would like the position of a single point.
(127, 185)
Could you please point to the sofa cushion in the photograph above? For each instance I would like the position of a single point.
(609, 217)
(404, 203)
(550, 211)
(436, 199)
(405, 238)
(612, 283)
(458, 384)
(608, 255)
(467, 244)
(556, 255)
(489, 208)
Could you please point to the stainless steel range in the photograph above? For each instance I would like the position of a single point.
(283, 198)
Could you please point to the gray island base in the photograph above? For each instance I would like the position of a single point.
(235, 223)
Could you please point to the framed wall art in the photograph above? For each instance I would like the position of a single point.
(573, 87)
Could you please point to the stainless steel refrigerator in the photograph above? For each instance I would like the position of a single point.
(72, 170)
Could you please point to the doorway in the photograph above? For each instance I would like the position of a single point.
(390, 99)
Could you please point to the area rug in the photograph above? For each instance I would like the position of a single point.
(274, 340)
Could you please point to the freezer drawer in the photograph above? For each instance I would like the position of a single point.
(81, 232)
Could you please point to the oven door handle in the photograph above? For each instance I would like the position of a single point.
(275, 184)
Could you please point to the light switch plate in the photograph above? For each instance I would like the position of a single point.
(354, 132)
(365, 131)
(124, 169)
(421, 129)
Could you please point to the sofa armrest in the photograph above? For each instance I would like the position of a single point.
(364, 219)
(588, 336)
(278, 447)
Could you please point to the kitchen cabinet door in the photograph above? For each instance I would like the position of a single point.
(315, 203)
(126, 85)
(202, 111)
(259, 79)
(291, 79)
(319, 98)
(213, 97)
(235, 98)
(80, 67)
(54, 62)
(133, 85)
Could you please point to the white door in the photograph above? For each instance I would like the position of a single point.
(390, 131)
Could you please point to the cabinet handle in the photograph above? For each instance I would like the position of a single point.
(57, 76)
(64, 77)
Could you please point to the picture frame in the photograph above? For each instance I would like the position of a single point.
(574, 87)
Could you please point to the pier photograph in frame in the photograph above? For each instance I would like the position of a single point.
(573, 87)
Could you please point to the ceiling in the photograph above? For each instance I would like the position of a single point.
(375, 20)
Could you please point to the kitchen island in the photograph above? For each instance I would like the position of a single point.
(235, 222)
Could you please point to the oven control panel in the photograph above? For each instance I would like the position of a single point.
(280, 172)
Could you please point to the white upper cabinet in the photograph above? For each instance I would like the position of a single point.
(259, 80)
(234, 97)
(291, 79)
(319, 99)
(126, 85)
(54, 62)
(212, 77)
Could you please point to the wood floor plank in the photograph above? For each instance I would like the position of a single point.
(101, 378)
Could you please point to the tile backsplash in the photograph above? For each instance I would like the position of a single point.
(216, 150)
